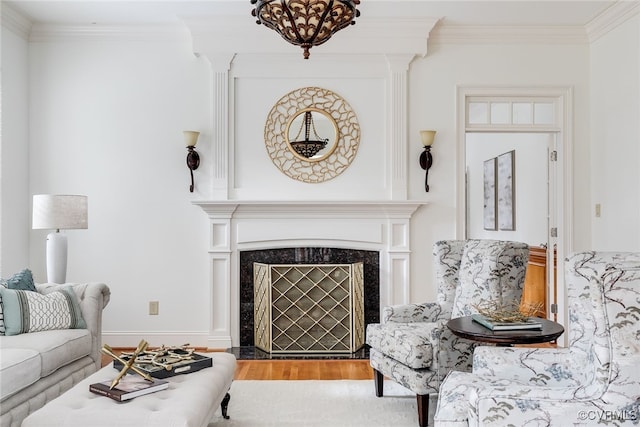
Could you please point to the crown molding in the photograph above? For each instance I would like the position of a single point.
(368, 36)
(469, 34)
(613, 16)
(215, 34)
(241, 35)
(15, 21)
(150, 33)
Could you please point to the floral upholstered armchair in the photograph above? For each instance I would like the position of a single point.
(596, 380)
(412, 345)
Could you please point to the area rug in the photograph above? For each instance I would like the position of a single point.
(315, 403)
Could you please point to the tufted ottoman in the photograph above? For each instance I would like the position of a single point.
(190, 401)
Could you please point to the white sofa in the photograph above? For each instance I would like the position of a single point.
(39, 366)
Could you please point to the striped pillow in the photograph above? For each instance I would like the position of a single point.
(26, 311)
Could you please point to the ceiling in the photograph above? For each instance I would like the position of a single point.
(450, 12)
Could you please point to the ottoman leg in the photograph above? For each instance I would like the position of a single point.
(224, 405)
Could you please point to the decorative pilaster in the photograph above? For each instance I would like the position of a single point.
(397, 149)
(220, 155)
(399, 236)
(221, 260)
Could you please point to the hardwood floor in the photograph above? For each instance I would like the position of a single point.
(351, 369)
(303, 370)
(295, 369)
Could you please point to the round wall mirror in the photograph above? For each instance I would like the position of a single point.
(312, 134)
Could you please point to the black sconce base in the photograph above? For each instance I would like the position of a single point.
(426, 160)
(193, 161)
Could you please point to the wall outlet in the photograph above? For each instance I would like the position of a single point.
(154, 307)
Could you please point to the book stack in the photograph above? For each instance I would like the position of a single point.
(529, 324)
(130, 386)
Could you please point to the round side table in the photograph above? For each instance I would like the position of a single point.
(465, 327)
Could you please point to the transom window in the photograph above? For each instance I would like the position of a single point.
(526, 112)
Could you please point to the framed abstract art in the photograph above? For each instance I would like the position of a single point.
(506, 191)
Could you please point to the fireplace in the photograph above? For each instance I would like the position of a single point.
(308, 308)
(314, 232)
(300, 256)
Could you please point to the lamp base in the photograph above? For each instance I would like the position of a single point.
(56, 257)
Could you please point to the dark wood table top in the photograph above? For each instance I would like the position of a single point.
(465, 327)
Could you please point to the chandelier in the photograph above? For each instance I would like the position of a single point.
(306, 23)
(308, 147)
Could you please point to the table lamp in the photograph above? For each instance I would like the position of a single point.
(58, 212)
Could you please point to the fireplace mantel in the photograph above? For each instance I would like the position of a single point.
(295, 209)
(238, 225)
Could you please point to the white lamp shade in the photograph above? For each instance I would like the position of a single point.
(427, 137)
(191, 138)
(57, 212)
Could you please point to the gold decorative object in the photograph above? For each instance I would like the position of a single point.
(127, 364)
(164, 357)
(507, 313)
(321, 166)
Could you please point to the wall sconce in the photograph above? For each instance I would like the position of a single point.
(426, 160)
(193, 158)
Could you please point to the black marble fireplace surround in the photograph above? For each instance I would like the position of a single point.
(371, 260)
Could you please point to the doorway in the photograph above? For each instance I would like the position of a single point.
(533, 125)
(528, 220)
(522, 214)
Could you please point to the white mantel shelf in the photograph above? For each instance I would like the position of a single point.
(238, 225)
(309, 209)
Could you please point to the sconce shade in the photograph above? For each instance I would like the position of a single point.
(427, 137)
(57, 212)
(191, 138)
(306, 23)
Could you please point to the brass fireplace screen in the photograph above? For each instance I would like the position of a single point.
(309, 308)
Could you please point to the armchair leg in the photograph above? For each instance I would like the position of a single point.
(379, 382)
(423, 409)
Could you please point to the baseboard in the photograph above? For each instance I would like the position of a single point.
(131, 339)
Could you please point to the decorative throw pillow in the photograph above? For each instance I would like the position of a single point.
(22, 280)
(26, 311)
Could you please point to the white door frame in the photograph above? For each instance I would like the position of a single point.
(562, 218)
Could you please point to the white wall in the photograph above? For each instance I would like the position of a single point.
(106, 121)
(15, 218)
(432, 105)
(255, 175)
(530, 171)
(107, 118)
(615, 141)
